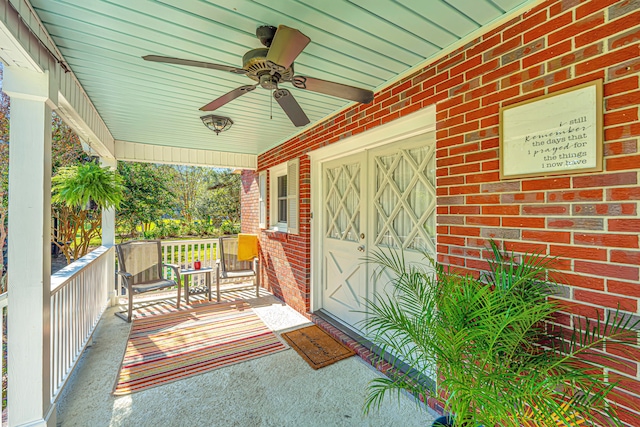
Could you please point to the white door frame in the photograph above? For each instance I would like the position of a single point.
(420, 122)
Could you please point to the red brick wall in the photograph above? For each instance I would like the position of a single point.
(590, 221)
(249, 194)
(285, 258)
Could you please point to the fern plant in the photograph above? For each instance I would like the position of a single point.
(77, 185)
(492, 344)
(74, 189)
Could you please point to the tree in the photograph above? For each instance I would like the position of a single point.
(66, 149)
(221, 201)
(146, 199)
(78, 194)
(186, 183)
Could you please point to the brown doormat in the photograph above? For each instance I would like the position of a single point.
(317, 347)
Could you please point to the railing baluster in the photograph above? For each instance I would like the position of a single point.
(65, 324)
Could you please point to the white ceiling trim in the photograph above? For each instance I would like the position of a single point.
(97, 136)
(148, 153)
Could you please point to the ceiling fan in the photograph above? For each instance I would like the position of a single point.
(271, 65)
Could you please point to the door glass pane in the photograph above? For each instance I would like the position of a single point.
(342, 198)
(405, 199)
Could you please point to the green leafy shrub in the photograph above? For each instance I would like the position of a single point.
(205, 229)
(188, 229)
(166, 229)
(152, 234)
(229, 227)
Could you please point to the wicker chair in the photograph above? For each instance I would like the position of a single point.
(229, 269)
(141, 268)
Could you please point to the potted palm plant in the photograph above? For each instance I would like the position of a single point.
(492, 343)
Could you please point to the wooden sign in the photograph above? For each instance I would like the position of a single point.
(558, 133)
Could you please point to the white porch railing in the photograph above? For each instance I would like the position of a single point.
(185, 252)
(79, 296)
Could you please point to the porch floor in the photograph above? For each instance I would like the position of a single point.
(276, 390)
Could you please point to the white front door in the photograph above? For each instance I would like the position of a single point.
(403, 203)
(344, 278)
(376, 200)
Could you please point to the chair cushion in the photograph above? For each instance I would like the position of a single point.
(153, 285)
(236, 273)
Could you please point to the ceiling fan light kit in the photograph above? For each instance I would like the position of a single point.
(216, 123)
(269, 66)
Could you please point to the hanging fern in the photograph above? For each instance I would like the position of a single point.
(76, 186)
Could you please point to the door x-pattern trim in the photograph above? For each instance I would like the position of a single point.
(403, 203)
(341, 281)
(342, 204)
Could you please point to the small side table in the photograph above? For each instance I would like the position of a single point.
(186, 273)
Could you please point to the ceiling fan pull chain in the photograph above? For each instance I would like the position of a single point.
(271, 108)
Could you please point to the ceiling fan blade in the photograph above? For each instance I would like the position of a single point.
(291, 107)
(228, 97)
(332, 88)
(286, 46)
(209, 65)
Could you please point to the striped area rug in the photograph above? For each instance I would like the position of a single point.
(166, 348)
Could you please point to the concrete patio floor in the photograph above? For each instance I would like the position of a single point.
(276, 390)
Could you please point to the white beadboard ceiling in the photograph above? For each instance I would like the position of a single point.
(364, 43)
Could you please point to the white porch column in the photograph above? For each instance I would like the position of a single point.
(109, 235)
(29, 245)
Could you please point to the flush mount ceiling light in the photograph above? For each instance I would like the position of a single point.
(216, 123)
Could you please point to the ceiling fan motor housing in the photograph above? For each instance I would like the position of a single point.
(265, 34)
(255, 62)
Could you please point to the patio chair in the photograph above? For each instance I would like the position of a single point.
(231, 269)
(141, 268)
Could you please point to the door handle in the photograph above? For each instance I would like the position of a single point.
(361, 248)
